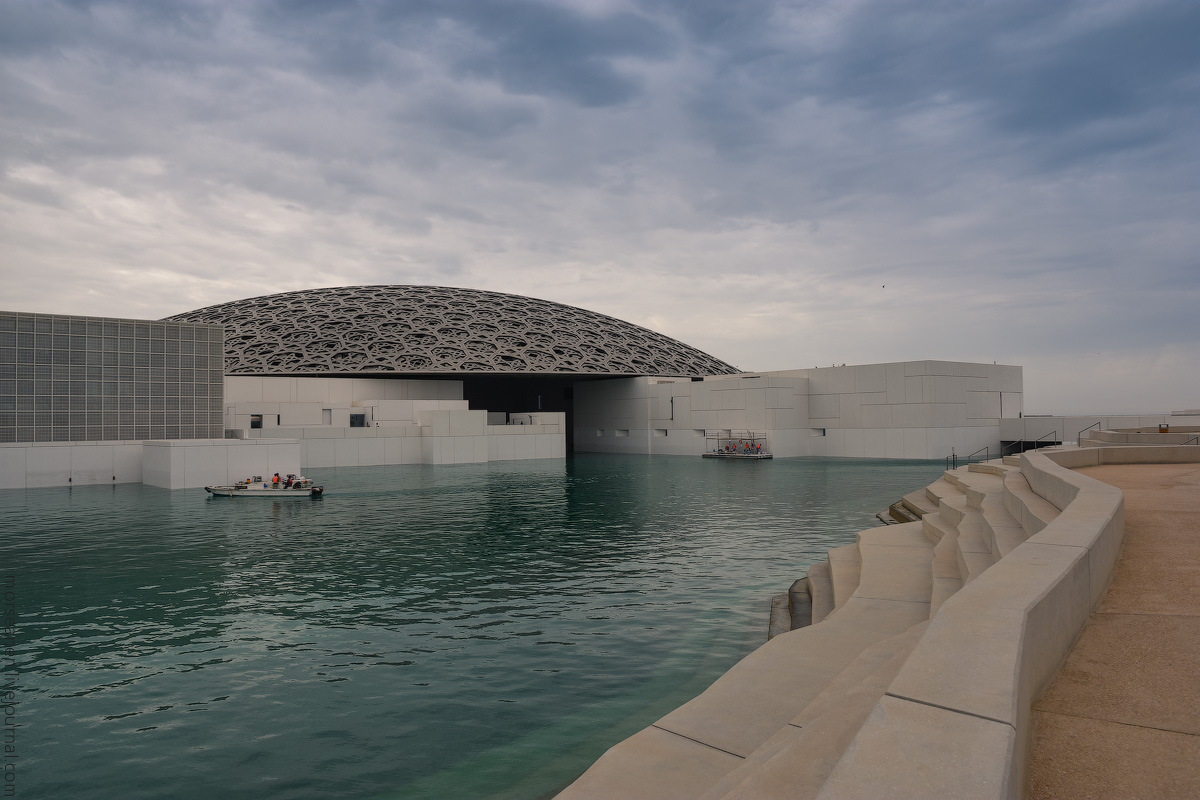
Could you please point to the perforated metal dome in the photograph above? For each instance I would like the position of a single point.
(437, 330)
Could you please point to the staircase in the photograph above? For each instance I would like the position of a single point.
(778, 722)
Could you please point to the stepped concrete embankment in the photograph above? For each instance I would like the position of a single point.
(929, 643)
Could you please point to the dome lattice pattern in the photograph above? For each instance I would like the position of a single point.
(434, 330)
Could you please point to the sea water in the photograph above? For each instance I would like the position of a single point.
(466, 631)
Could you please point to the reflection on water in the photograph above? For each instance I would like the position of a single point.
(467, 631)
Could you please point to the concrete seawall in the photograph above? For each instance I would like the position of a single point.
(930, 643)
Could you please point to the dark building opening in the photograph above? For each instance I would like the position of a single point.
(520, 394)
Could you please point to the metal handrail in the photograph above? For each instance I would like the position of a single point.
(1085, 430)
(986, 454)
(1195, 439)
(1053, 433)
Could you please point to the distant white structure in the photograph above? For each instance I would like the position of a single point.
(360, 422)
(914, 409)
(377, 375)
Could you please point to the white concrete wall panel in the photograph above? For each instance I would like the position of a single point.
(914, 389)
(874, 443)
(870, 378)
(896, 392)
(916, 443)
(506, 448)
(824, 406)
(345, 453)
(300, 414)
(876, 416)
(13, 466)
(127, 463)
(841, 380)
(733, 419)
(372, 452)
(314, 390)
(91, 464)
(320, 452)
(851, 410)
(1011, 405)
(278, 390)
(48, 465)
(524, 447)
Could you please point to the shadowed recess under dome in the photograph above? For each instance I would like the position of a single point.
(426, 330)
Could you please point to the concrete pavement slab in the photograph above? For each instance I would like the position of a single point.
(1088, 758)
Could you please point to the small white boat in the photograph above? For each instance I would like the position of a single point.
(292, 486)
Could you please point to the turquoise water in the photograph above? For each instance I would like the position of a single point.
(421, 632)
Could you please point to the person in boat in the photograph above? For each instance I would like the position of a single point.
(275, 481)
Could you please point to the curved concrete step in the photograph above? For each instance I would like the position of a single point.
(984, 485)
(800, 602)
(1000, 530)
(947, 576)
(846, 564)
(974, 553)
(899, 512)
(918, 503)
(1032, 511)
(781, 615)
(796, 761)
(820, 589)
(953, 509)
(994, 467)
(896, 564)
(939, 489)
(689, 751)
(978, 485)
(936, 527)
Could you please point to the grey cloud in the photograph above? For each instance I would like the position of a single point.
(528, 47)
(549, 50)
(991, 161)
(998, 60)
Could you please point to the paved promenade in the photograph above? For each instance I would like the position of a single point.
(1122, 719)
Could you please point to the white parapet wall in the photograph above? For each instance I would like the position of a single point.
(174, 464)
(353, 422)
(916, 409)
(31, 466)
(1072, 428)
(189, 464)
(454, 436)
(330, 402)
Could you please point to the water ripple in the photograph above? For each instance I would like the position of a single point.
(422, 632)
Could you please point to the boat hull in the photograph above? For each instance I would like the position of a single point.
(738, 456)
(270, 494)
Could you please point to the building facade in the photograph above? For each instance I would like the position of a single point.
(372, 375)
(914, 410)
(70, 378)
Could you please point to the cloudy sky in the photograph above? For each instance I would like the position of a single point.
(782, 184)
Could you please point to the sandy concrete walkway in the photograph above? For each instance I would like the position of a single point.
(1122, 719)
